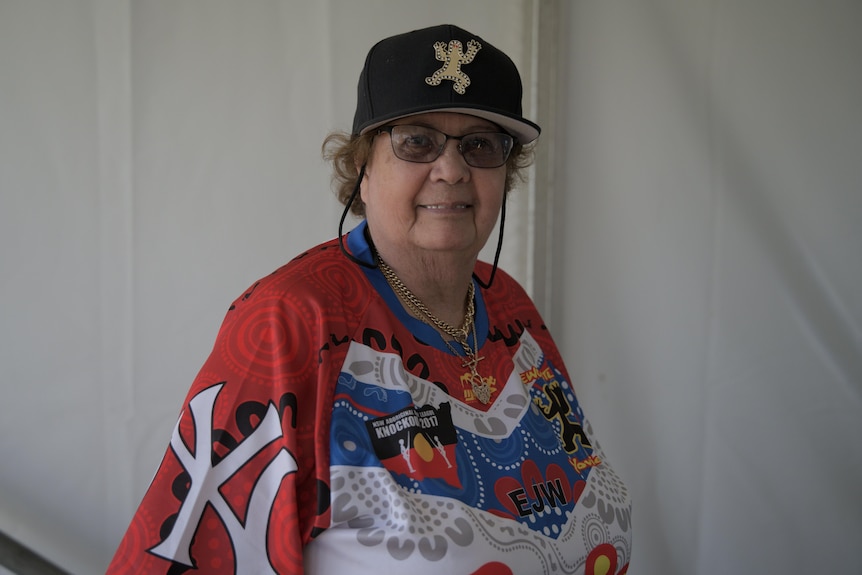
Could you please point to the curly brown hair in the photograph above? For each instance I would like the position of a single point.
(346, 152)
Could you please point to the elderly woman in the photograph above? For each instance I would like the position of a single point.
(385, 403)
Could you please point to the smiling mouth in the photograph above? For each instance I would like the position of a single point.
(446, 206)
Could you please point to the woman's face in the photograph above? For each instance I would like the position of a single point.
(444, 205)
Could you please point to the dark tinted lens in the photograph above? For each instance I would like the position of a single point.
(424, 145)
(417, 144)
(486, 149)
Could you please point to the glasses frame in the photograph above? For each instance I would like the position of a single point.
(388, 129)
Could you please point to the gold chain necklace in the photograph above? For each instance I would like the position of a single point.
(481, 390)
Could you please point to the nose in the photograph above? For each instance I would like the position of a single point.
(450, 166)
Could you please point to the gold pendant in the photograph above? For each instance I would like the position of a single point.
(481, 390)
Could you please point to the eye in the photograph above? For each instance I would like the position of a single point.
(481, 144)
(415, 143)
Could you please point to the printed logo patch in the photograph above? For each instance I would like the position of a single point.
(417, 442)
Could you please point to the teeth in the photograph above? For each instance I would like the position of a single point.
(447, 206)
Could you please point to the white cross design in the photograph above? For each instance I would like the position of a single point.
(248, 540)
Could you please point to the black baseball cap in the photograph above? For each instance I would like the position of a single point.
(437, 69)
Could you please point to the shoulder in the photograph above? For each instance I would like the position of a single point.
(318, 278)
(511, 310)
(504, 289)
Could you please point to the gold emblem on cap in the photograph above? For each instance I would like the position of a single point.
(453, 57)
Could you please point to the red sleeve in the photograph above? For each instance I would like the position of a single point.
(243, 485)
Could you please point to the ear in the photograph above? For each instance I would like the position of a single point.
(362, 172)
(358, 165)
(363, 169)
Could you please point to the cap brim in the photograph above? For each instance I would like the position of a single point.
(524, 130)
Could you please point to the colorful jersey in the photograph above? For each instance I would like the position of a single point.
(331, 432)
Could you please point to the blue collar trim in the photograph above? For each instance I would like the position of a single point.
(358, 245)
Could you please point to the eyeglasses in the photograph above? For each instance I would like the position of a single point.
(424, 145)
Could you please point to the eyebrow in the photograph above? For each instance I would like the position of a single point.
(470, 129)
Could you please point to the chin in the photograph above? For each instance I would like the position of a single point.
(451, 244)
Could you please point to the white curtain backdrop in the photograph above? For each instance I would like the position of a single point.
(711, 283)
(701, 179)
